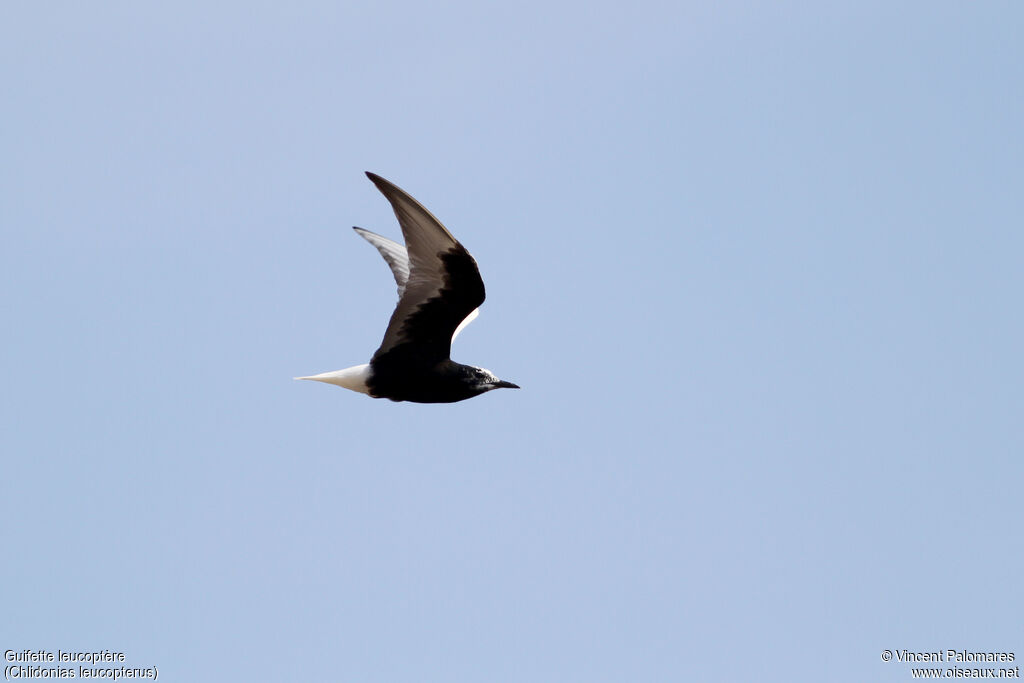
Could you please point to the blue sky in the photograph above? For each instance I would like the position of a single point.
(757, 267)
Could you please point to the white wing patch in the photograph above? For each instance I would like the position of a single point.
(469, 318)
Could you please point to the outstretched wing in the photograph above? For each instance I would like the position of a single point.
(443, 286)
(394, 253)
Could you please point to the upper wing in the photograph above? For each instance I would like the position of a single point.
(443, 287)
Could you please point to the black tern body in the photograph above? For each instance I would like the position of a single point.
(439, 293)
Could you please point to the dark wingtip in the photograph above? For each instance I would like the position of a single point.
(383, 184)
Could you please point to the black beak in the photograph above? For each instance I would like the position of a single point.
(502, 384)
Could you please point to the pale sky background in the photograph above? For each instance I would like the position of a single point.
(757, 267)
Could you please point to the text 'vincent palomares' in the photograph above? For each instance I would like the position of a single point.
(953, 656)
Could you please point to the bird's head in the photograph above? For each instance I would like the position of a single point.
(485, 380)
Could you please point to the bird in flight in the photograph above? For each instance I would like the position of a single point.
(439, 293)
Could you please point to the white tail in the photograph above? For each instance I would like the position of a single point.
(353, 378)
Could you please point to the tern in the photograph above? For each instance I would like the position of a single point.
(439, 293)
